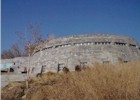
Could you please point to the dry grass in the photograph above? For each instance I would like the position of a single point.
(102, 82)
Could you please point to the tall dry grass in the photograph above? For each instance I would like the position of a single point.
(101, 82)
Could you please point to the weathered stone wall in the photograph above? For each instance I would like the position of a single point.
(75, 50)
(18, 63)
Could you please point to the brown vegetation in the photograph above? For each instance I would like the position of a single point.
(14, 51)
(65, 70)
(78, 68)
(101, 82)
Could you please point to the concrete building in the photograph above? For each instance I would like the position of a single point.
(84, 50)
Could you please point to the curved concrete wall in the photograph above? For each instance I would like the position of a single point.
(84, 49)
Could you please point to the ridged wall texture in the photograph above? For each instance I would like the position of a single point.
(84, 50)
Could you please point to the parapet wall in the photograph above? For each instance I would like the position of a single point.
(85, 49)
(88, 38)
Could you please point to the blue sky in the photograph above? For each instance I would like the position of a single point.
(70, 17)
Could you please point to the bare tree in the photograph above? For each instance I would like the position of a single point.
(7, 54)
(13, 51)
(50, 36)
(16, 50)
(30, 40)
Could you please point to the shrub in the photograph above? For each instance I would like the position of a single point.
(65, 70)
(78, 68)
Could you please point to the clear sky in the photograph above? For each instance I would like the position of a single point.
(69, 17)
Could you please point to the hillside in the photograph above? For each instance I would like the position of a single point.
(101, 82)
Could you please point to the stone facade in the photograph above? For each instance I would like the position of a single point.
(18, 63)
(84, 50)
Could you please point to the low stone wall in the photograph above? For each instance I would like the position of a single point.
(5, 79)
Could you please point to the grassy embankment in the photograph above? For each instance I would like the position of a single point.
(102, 82)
